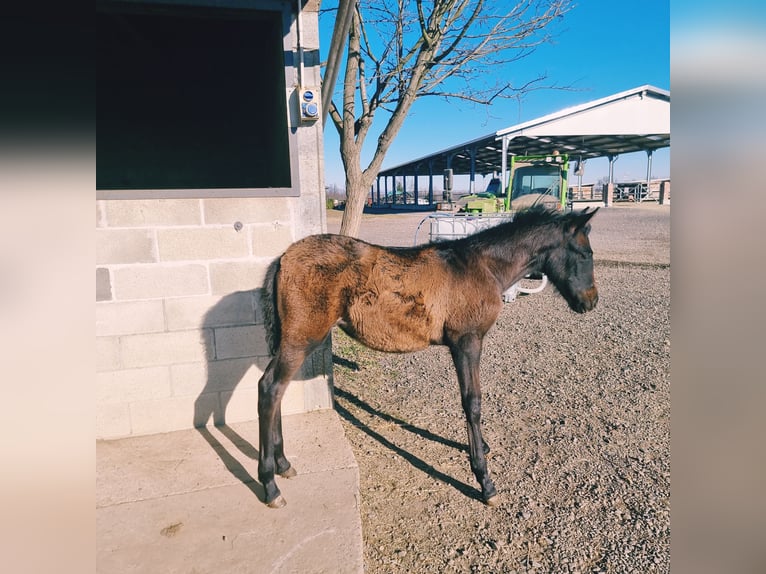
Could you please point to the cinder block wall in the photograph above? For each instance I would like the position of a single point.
(179, 332)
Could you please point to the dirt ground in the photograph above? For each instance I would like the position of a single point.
(576, 409)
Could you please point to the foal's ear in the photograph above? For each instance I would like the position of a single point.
(580, 220)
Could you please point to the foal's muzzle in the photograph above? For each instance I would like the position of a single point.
(587, 302)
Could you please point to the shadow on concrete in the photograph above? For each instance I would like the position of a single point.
(232, 464)
(236, 309)
(240, 309)
(352, 401)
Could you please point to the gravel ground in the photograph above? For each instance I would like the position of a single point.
(576, 409)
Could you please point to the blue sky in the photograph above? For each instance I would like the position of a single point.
(601, 47)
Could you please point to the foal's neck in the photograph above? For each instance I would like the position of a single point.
(519, 254)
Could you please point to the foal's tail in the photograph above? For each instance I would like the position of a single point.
(271, 320)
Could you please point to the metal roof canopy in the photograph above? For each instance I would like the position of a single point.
(626, 122)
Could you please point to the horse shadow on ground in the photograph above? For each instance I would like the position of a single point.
(348, 402)
(224, 322)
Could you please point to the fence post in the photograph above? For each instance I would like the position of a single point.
(664, 192)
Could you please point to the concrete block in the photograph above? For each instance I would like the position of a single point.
(231, 374)
(293, 401)
(166, 348)
(100, 214)
(124, 246)
(103, 284)
(318, 363)
(317, 394)
(159, 281)
(246, 210)
(188, 379)
(202, 243)
(226, 277)
(152, 212)
(236, 308)
(163, 415)
(240, 405)
(107, 354)
(129, 317)
(214, 376)
(112, 420)
(233, 342)
(130, 385)
(271, 240)
(310, 217)
(207, 410)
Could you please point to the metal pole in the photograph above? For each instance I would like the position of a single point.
(648, 173)
(608, 193)
(504, 164)
(415, 190)
(431, 182)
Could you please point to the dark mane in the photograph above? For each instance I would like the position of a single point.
(537, 217)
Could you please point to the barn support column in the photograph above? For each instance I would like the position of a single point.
(447, 193)
(393, 189)
(648, 174)
(504, 165)
(430, 182)
(608, 192)
(416, 188)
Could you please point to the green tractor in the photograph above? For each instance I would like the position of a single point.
(532, 180)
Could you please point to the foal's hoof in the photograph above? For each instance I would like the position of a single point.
(492, 501)
(289, 473)
(278, 502)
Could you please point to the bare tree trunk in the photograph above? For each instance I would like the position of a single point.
(356, 197)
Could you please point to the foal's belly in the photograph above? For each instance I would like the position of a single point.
(387, 341)
(391, 322)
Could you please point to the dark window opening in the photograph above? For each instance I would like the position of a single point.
(191, 99)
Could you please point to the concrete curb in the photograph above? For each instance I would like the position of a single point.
(188, 501)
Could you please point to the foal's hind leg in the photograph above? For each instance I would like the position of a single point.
(466, 353)
(283, 466)
(271, 390)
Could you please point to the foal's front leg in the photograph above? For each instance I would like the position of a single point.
(466, 353)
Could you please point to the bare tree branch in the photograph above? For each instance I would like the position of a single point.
(402, 50)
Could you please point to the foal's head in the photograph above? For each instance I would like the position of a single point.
(569, 265)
